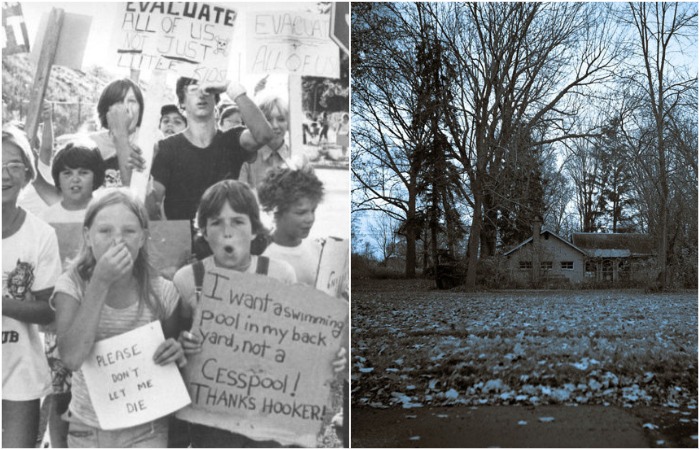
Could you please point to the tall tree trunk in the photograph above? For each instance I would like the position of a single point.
(473, 244)
(411, 234)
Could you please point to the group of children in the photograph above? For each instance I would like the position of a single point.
(111, 287)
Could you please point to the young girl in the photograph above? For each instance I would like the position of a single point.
(110, 289)
(120, 109)
(77, 171)
(292, 196)
(30, 266)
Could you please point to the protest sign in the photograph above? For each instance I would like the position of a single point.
(171, 243)
(126, 387)
(72, 40)
(293, 42)
(192, 39)
(265, 367)
(14, 29)
(333, 267)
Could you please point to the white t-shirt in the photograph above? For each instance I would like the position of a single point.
(33, 249)
(304, 258)
(184, 278)
(58, 214)
(30, 200)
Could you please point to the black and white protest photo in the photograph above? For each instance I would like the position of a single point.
(524, 224)
(176, 224)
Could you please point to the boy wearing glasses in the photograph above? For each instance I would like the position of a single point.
(187, 163)
(30, 266)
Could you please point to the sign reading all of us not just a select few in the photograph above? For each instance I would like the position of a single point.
(192, 38)
(265, 369)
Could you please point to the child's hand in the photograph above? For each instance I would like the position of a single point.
(168, 352)
(118, 119)
(136, 160)
(337, 422)
(341, 364)
(191, 343)
(115, 263)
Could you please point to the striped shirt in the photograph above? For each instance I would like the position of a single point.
(112, 323)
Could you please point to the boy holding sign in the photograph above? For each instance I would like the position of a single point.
(111, 289)
(228, 218)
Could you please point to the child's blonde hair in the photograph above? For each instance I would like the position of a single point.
(84, 264)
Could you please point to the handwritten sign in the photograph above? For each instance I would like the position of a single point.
(171, 243)
(126, 387)
(334, 267)
(14, 29)
(265, 368)
(193, 39)
(292, 42)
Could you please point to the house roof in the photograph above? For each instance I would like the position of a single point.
(615, 244)
(542, 233)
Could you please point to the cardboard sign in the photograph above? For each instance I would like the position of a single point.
(126, 387)
(171, 243)
(192, 39)
(265, 368)
(14, 29)
(293, 42)
(72, 40)
(334, 267)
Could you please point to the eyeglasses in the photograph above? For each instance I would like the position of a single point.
(14, 168)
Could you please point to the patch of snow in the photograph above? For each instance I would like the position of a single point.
(366, 369)
(522, 422)
(451, 394)
(414, 438)
(650, 426)
(546, 419)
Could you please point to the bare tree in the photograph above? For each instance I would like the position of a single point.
(660, 28)
(516, 69)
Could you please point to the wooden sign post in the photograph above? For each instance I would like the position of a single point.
(43, 71)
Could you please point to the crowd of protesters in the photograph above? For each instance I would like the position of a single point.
(219, 162)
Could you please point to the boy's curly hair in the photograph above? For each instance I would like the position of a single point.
(281, 187)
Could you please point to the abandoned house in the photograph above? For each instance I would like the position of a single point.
(545, 257)
(617, 257)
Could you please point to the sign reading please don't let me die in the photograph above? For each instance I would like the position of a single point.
(126, 387)
(265, 369)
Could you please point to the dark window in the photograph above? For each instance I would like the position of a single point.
(526, 264)
(567, 265)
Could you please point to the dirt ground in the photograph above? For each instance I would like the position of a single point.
(619, 365)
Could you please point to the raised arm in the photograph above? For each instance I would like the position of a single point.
(258, 132)
(128, 156)
(46, 147)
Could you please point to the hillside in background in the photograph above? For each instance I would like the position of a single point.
(73, 93)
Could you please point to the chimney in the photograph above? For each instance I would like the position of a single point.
(536, 230)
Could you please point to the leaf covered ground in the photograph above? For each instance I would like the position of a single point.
(414, 346)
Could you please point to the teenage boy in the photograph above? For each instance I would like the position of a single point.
(189, 162)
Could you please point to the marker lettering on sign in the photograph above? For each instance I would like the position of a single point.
(117, 355)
